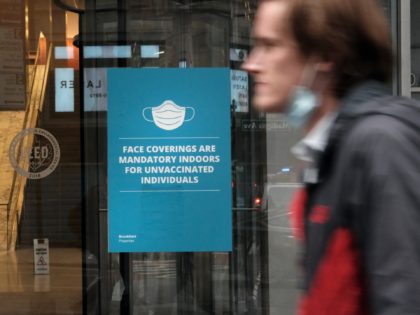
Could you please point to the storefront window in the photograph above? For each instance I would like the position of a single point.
(54, 187)
(415, 50)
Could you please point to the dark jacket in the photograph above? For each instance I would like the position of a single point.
(362, 217)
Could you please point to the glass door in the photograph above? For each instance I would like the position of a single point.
(54, 186)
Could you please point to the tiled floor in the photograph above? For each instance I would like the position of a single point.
(22, 292)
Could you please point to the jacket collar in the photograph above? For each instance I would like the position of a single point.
(373, 98)
(353, 103)
(315, 141)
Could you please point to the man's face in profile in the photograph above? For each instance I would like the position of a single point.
(275, 62)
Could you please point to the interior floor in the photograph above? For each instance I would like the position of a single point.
(22, 292)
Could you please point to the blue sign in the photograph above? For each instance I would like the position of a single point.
(169, 171)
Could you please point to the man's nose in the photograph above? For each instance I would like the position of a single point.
(251, 64)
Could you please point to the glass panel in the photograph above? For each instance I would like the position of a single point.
(259, 276)
(56, 81)
(189, 34)
(40, 212)
(391, 11)
(415, 49)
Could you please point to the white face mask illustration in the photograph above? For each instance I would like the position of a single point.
(168, 115)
